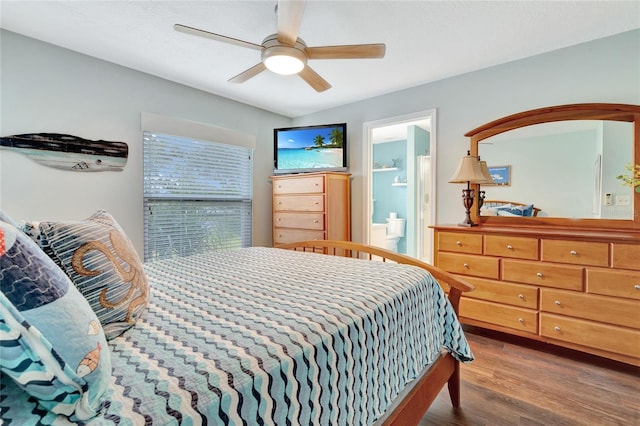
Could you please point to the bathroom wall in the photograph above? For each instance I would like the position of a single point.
(389, 198)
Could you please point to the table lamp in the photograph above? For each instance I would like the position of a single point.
(470, 170)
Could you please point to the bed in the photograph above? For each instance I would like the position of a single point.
(508, 208)
(284, 335)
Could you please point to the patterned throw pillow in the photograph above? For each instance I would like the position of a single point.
(515, 210)
(52, 344)
(102, 263)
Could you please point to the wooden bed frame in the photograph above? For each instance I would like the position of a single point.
(445, 369)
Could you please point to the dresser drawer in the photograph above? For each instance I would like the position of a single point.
(516, 247)
(494, 313)
(614, 283)
(284, 235)
(466, 264)
(460, 242)
(591, 306)
(521, 295)
(587, 333)
(576, 252)
(299, 220)
(625, 256)
(543, 274)
(300, 203)
(299, 185)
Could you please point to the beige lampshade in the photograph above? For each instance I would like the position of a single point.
(485, 172)
(470, 169)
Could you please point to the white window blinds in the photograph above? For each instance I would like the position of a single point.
(197, 196)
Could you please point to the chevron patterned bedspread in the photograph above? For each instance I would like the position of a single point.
(269, 336)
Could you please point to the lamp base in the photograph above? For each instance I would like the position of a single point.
(468, 225)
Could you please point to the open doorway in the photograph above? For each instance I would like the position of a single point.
(400, 183)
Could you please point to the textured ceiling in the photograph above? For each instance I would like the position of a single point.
(426, 40)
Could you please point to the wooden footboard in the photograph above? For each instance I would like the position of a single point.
(446, 369)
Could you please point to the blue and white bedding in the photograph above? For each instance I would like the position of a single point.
(269, 336)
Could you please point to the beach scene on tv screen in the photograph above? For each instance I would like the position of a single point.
(310, 148)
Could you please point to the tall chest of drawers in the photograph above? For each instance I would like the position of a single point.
(577, 289)
(313, 206)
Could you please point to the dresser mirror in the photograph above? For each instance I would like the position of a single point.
(564, 168)
(564, 161)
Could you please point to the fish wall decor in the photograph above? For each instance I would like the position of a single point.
(69, 152)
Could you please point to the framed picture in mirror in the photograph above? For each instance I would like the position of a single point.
(501, 175)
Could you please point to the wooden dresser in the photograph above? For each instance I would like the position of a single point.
(573, 288)
(311, 206)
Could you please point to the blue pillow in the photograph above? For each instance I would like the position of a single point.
(515, 210)
(52, 343)
(4, 217)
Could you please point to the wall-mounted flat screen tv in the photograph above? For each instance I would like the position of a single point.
(310, 149)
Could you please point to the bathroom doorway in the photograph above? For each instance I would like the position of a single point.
(400, 176)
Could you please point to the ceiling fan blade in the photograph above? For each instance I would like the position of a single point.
(314, 80)
(246, 75)
(218, 37)
(289, 18)
(351, 51)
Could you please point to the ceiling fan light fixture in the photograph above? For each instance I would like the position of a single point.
(284, 60)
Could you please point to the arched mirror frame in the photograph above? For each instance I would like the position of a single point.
(590, 111)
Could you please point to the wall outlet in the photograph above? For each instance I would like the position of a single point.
(623, 200)
(608, 199)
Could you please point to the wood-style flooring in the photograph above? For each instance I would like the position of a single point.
(520, 382)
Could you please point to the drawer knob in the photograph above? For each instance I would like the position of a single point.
(556, 328)
(557, 302)
(539, 275)
(637, 286)
(315, 221)
(573, 252)
(466, 265)
(510, 247)
(459, 243)
(521, 320)
(521, 296)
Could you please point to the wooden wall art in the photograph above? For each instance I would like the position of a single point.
(69, 152)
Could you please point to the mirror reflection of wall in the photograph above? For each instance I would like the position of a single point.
(564, 168)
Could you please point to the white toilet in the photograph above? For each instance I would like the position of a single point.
(395, 231)
(387, 235)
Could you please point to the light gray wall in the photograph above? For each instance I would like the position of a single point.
(48, 89)
(605, 70)
(553, 172)
(45, 88)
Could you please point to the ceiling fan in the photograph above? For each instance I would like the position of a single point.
(285, 53)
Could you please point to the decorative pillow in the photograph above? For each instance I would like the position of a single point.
(52, 343)
(504, 212)
(516, 210)
(32, 229)
(102, 263)
(4, 217)
(489, 211)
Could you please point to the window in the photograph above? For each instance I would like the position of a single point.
(197, 196)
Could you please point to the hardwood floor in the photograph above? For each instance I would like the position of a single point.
(519, 382)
